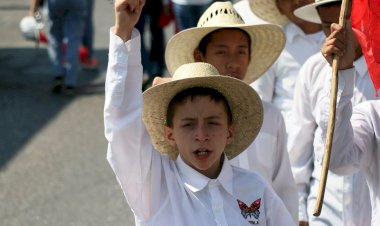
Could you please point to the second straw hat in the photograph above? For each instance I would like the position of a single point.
(267, 41)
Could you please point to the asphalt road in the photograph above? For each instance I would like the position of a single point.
(53, 168)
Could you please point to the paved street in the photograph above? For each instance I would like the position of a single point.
(53, 168)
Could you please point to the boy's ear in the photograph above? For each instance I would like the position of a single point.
(198, 56)
(169, 135)
(230, 135)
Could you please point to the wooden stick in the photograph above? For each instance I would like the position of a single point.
(331, 122)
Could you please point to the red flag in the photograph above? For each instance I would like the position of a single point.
(365, 19)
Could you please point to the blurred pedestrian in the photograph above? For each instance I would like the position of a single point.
(65, 21)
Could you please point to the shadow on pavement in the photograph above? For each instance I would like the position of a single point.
(26, 102)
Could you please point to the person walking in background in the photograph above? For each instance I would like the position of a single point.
(86, 49)
(65, 21)
(86, 52)
(303, 39)
(188, 12)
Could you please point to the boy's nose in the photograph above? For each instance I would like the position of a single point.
(202, 133)
(232, 65)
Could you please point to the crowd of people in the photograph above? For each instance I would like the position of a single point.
(225, 124)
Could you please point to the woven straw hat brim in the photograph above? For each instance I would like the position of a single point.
(267, 43)
(310, 13)
(245, 104)
(268, 11)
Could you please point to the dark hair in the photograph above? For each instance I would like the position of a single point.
(192, 93)
(202, 47)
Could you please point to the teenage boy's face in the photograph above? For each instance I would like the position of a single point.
(228, 52)
(200, 132)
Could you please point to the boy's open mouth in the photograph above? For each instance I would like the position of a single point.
(202, 152)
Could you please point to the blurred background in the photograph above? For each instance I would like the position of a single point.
(53, 168)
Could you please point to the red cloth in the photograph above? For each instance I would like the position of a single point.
(365, 19)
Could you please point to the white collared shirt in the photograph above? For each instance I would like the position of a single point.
(277, 84)
(356, 144)
(161, 191)
(306, 150)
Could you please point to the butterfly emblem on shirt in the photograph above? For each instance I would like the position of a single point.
(252, 212)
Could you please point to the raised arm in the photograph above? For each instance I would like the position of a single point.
(339, 42)
(127, 14)
(130, 152)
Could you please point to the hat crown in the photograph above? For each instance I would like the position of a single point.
(193, 70)
(220, 14)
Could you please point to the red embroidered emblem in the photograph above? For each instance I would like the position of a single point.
(251, 213)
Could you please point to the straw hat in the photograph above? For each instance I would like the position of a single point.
(309, 12)
(267, 40)
(268, 11)
(245, 104)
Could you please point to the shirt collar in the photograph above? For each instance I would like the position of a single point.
(196, 181)
(361, 66)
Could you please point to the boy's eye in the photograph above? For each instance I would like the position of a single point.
(243, 52)
(220, 52)
(185, 125)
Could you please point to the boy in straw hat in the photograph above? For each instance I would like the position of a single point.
(303, 39)
(175, 169)
(244, 52)
(346, 200)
